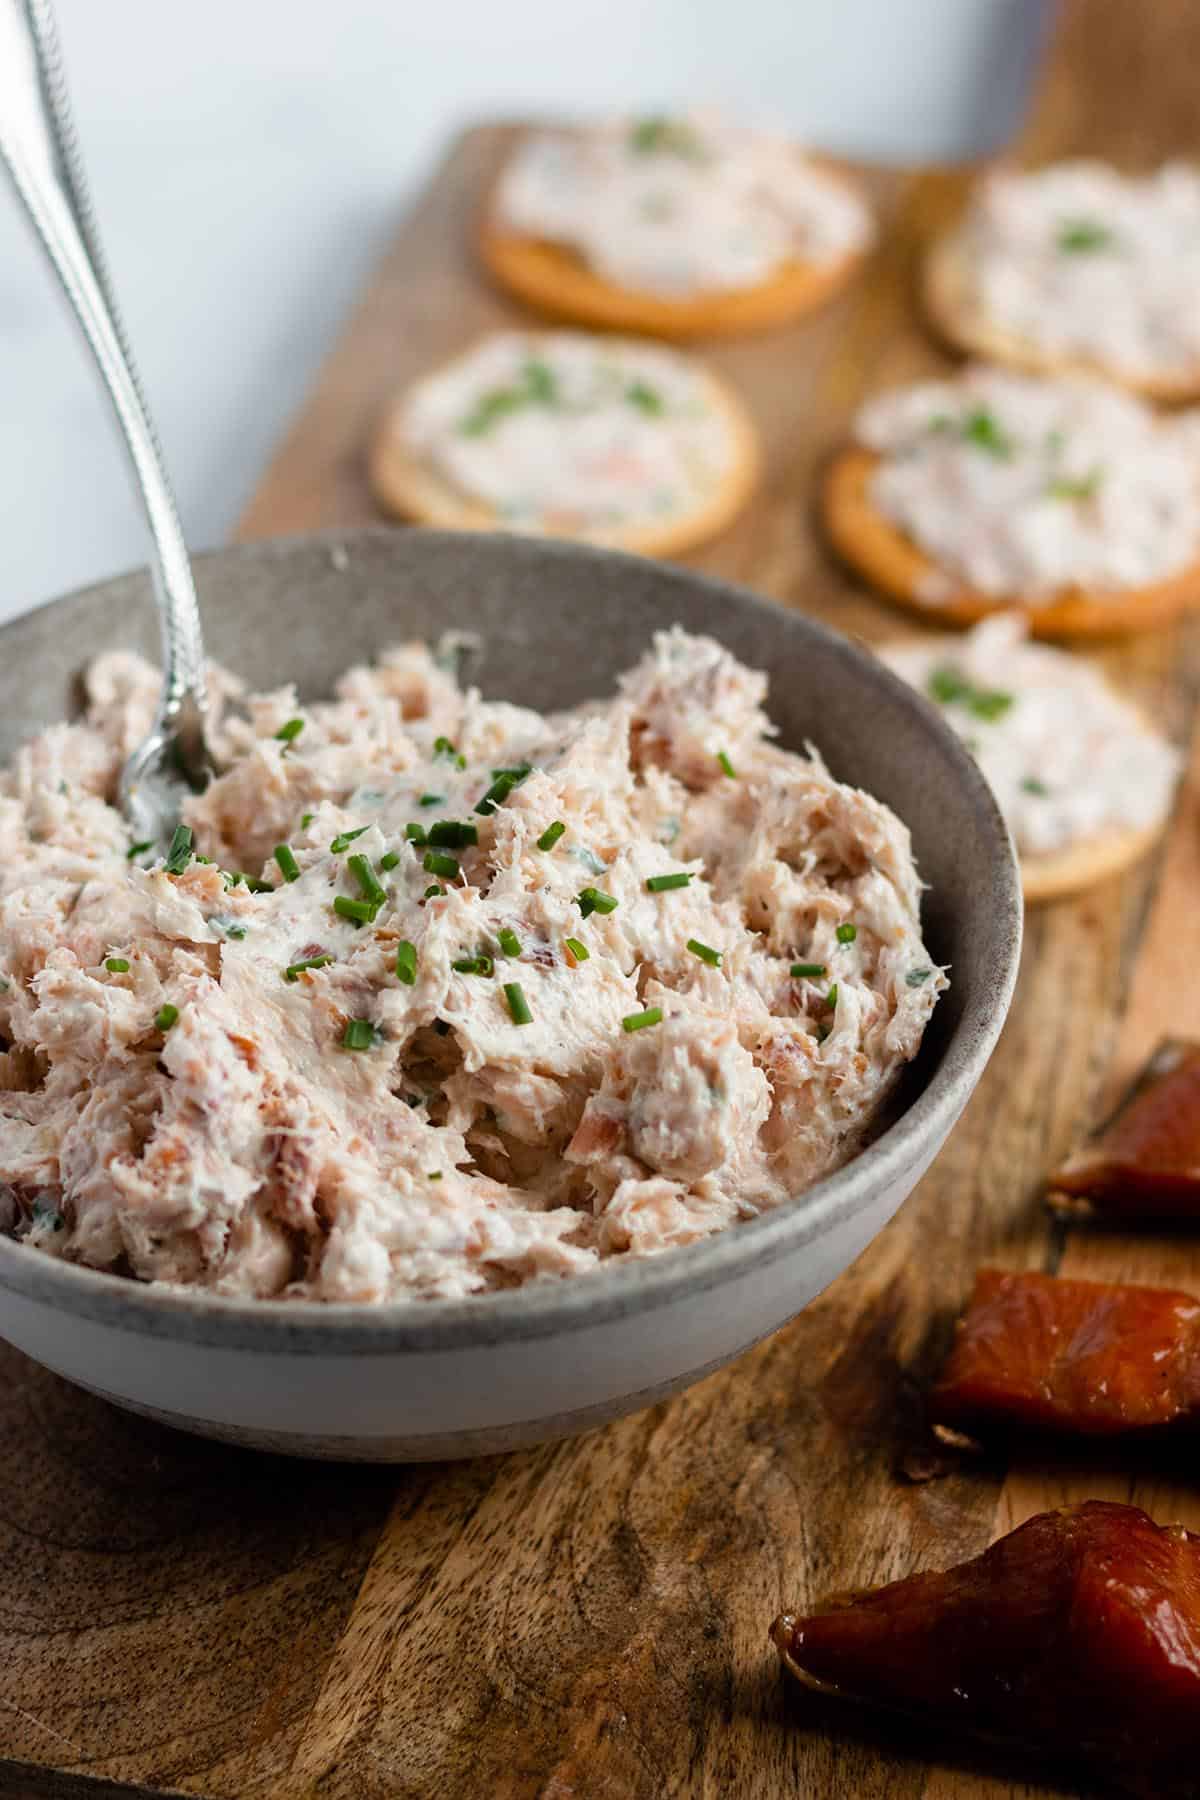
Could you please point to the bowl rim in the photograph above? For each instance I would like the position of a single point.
(613, 1292)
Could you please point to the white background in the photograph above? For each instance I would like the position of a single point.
(249, 159)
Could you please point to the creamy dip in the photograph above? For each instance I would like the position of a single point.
(1067, 759)
(1080, 260)
(505, 997)
(679, 206)
(564, 432)
(1027, 485)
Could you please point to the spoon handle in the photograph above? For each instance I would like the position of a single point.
(40, 149)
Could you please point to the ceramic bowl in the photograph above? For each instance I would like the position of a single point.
(426, 1379)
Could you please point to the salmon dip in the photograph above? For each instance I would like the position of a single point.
(434, 994)
(682, 205)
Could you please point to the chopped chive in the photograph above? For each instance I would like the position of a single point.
(453, 834)
(291, 731)
(1083, 234)
(203, 859)
(434, 1175)
(165, 1017)
(306, 820)
(503, 785)
(361, 911)
(389, 859)
(360, 1034)
(726, 765)
(644, 397)
(831, 997)
(591, 899)
(551, 835)
(432, 800)
(368, 881)
(705, 952)
(1031, 785)
(989, 703)
(138, 849)
(947, 685)
(518, 1005)
(579, 951)
(415, 833)
(661, 884)
(238, 878)
(180, 853)
(474, 965)
(800, 969)
(431, 893)
(344, 839)
(438, 863)
(406, 962)
(639, 1021)
(917, 977)
(230, 927)
(981, 429)
(296, 969)
(1066, 487)
(516, 772)
(289, 868)
(117, 965)
(444, 750)
(509, 942)
(846, 934)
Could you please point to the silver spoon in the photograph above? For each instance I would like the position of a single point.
(40, 149)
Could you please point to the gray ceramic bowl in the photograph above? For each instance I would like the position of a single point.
(435, 1379)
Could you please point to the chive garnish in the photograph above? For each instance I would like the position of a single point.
(846, 934)
(344, 840)
(180, 853)
(644, 397)
(289, 868)
(591, 899)
(726, 765)
(831, 997)
(360, 911)
(389, 859)
(518, 1005)
(406, 962)
(444, 751)
(1083, 234)
(579, 951)
(453, 834)
(368, 881)
(230, 927)
(117, 965)
(989, 703)
(165, 1017)
(431, 893)
(438, 863)
(661, 884)
(916, 977)
(238, 878)
(474, 965)
(138, 849)
(306, 820)
(360, 1034)
(799, 969)
(639, 1021)
(1065, 487)
(981, 429)
(705, 952)
(947, 685)
(296, 969)
(505, 780)
(288, 733)
(551, 835)
(432, 800)
(1031, 785)
(415, 833)
(434, 1175)
(509, 942)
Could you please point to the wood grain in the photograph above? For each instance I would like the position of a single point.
(590, 1619)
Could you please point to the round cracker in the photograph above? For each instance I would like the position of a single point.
(556, 281)
(406, 486)
(957, 316)
(891, 562)
(1060, 873)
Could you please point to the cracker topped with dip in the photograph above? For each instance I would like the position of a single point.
(608, 440)
(1084, 783)
(1078, 266)
(1061, 496)
(681, 226)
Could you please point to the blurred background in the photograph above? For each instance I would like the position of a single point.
(249, 160)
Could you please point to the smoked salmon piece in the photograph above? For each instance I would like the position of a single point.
(1078, 1633)
(1146, 1160)
(1080, 1357)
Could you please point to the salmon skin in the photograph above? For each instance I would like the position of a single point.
(1083, 1358)
(1078, 1634)
(1145, 1162)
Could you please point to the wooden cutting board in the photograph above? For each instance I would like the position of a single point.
(590, 1619)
